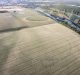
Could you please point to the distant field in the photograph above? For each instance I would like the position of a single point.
(31, 17)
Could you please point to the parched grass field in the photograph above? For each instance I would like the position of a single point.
(33, 18)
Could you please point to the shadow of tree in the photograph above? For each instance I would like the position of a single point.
(13, 29)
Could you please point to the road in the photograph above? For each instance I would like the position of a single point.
(69, 24)
(43, 48)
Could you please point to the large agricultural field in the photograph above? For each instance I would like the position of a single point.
(33, 44)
